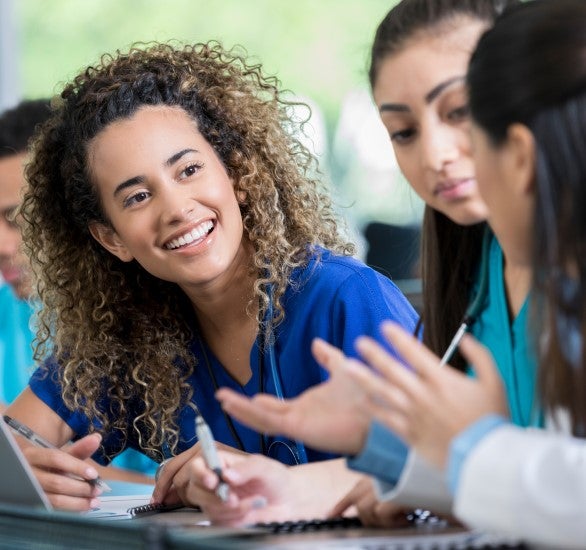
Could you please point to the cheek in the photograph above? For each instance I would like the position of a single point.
(412, 170)
(464, 142)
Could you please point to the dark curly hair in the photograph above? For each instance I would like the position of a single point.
(98, 313)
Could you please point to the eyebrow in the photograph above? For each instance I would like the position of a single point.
(136, 180)
(429, 97)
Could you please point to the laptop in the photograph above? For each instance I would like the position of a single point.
(18, 484)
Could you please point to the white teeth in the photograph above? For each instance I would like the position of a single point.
(195, 234)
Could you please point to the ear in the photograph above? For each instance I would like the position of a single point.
(109, 239)
(520, 146)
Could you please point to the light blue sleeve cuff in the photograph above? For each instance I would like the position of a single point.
(464, 442)
(383, 455)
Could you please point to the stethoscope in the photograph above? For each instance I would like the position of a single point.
(477, 305)
(296, 449)
(268, 349)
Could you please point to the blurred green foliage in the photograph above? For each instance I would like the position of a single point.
(317, 48)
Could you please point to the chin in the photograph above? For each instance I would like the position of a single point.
(467, 214)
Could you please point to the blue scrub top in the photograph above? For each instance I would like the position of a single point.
(334, 297)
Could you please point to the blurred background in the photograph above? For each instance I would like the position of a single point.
(318, 49)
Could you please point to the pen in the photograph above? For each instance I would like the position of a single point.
(210, 453)
(37, 440)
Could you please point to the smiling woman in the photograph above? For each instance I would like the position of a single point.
(187, 247)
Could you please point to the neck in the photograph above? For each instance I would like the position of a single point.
(518, 272)
(226, 321)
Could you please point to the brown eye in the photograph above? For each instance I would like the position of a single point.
(402, 136)
(461, 113)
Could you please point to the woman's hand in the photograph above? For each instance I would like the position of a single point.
(261, 489)
(332, 416)
(429, 405)
(165, 486)
(61, 473)
(362, 501)
(258, 487)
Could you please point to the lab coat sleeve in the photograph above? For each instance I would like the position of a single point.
(420, 486)
(527, 483)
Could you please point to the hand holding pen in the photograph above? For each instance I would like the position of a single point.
(210, 453)
(38, 441)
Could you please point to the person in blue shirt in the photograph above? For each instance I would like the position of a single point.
(17, 305)
(16, 355)
(188, 247)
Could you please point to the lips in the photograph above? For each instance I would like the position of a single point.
(454, 189)
(191, 236)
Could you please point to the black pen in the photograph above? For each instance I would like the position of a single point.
(38, 441)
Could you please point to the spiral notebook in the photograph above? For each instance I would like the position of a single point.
(129, 507)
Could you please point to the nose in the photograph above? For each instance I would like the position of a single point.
(440, 145)
(175, 206)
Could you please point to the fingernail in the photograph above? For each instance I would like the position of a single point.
(91, 473)
(94, 503)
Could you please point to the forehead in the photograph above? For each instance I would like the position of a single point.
(142, 125)
(11, 180)
(425, 60)
(150, 134)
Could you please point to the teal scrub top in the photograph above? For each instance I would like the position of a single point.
(513, 348)
(16, 336)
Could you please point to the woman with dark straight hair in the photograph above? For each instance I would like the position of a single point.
(529, 134)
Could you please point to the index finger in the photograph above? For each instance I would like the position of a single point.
(423, 361)
(60, 461)
(265, 413)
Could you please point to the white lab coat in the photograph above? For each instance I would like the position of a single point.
(521, 482)
(528, 483)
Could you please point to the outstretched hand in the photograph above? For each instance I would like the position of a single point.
(429, 405)
(332, 416)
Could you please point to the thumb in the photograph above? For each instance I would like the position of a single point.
(482, 362)
(85, 447)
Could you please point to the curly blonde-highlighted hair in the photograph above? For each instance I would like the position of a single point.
(117, 332)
